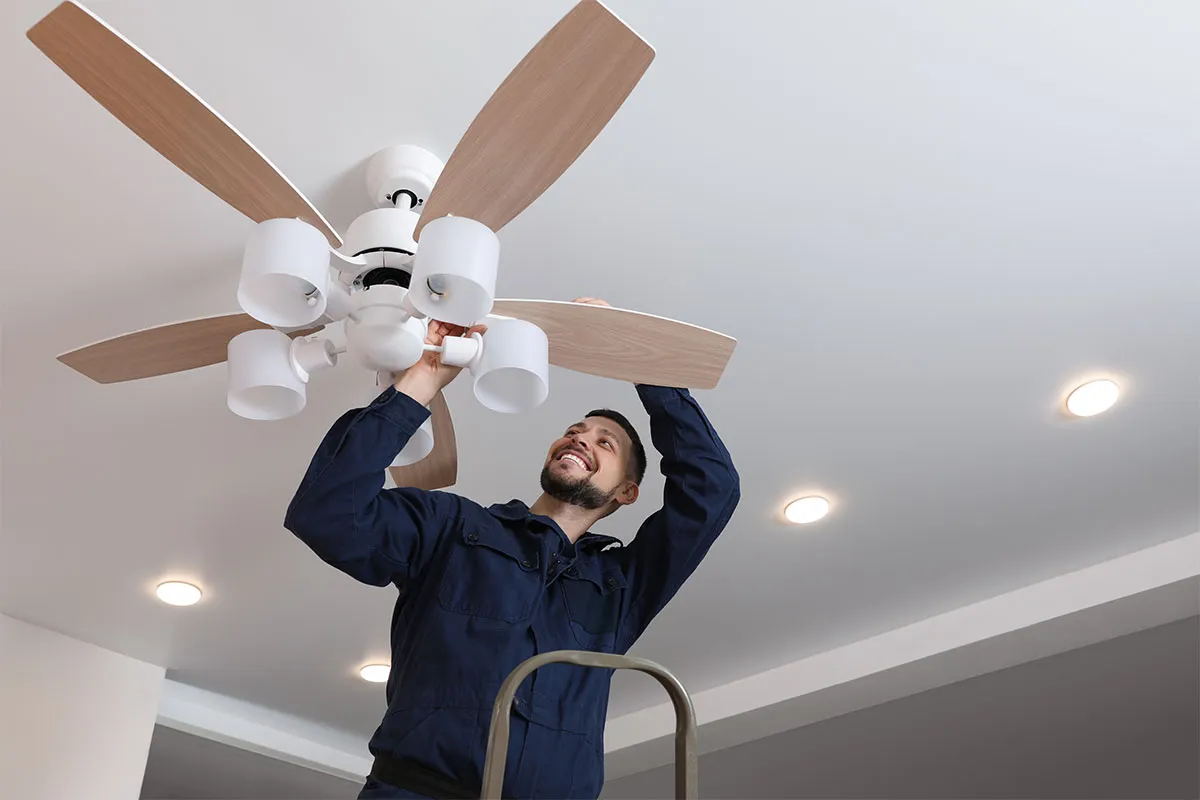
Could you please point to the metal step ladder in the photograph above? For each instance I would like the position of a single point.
(685, 715)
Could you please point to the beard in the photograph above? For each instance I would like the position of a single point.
(579, 492)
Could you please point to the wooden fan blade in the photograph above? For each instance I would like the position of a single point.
(547, 111)
(626, 345)
(169, 117)
(439, 469)
(163, 350)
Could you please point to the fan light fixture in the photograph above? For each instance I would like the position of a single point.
(285, 273)
(375, 673)
(806, 510)
(1093, 397)
(268, 372)
(454, 272)
(178, 593)
(511, 364)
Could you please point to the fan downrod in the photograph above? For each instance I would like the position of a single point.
(398, 181)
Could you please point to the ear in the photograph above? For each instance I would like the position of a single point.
(627, 494)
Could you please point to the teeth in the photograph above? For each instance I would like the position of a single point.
(574, 458)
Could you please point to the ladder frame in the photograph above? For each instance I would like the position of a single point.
(686, 769)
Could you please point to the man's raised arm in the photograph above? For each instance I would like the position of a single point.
(341, 510)
(702, 490)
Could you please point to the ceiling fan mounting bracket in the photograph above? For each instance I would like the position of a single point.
(402, 176)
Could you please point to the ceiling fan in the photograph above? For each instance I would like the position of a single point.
(300, 279)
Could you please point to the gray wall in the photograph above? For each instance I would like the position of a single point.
(1119, 719)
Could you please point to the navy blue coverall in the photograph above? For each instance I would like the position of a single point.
(482, 589)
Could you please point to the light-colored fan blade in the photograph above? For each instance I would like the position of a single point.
(439, 469)
(626, 345)
(169, 117)
(160, 351)
(547, 111)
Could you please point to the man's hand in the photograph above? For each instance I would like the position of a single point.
(592, 301)
(424, 379)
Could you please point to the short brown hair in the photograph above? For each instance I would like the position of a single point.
(637, 459)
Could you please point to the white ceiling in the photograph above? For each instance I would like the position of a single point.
(923, 222)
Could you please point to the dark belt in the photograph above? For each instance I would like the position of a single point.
(405, 774)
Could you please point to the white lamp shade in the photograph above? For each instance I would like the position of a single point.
(419, 446)
(285, 273)
(512, 373)
(263, 384)
(454, 272)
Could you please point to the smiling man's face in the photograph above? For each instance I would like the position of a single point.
(588, 466)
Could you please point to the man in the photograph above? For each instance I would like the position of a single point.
(482, 589)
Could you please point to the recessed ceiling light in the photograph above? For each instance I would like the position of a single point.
(1093, 397)
(806, 509)
(375, 673)
(178, 593)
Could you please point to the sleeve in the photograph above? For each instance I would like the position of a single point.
(341, 510)
(702, 490)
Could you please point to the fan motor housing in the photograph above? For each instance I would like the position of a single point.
(383, 237)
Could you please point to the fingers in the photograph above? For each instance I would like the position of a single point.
(439, 330)
(592, 301)
(480, 329)
(442, 329)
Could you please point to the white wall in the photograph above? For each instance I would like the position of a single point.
(75, 719)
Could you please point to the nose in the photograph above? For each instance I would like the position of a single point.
(582, 444)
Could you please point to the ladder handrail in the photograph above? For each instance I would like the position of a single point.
(685, 715)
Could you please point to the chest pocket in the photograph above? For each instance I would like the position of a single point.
(492, 573)
(594, 607)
